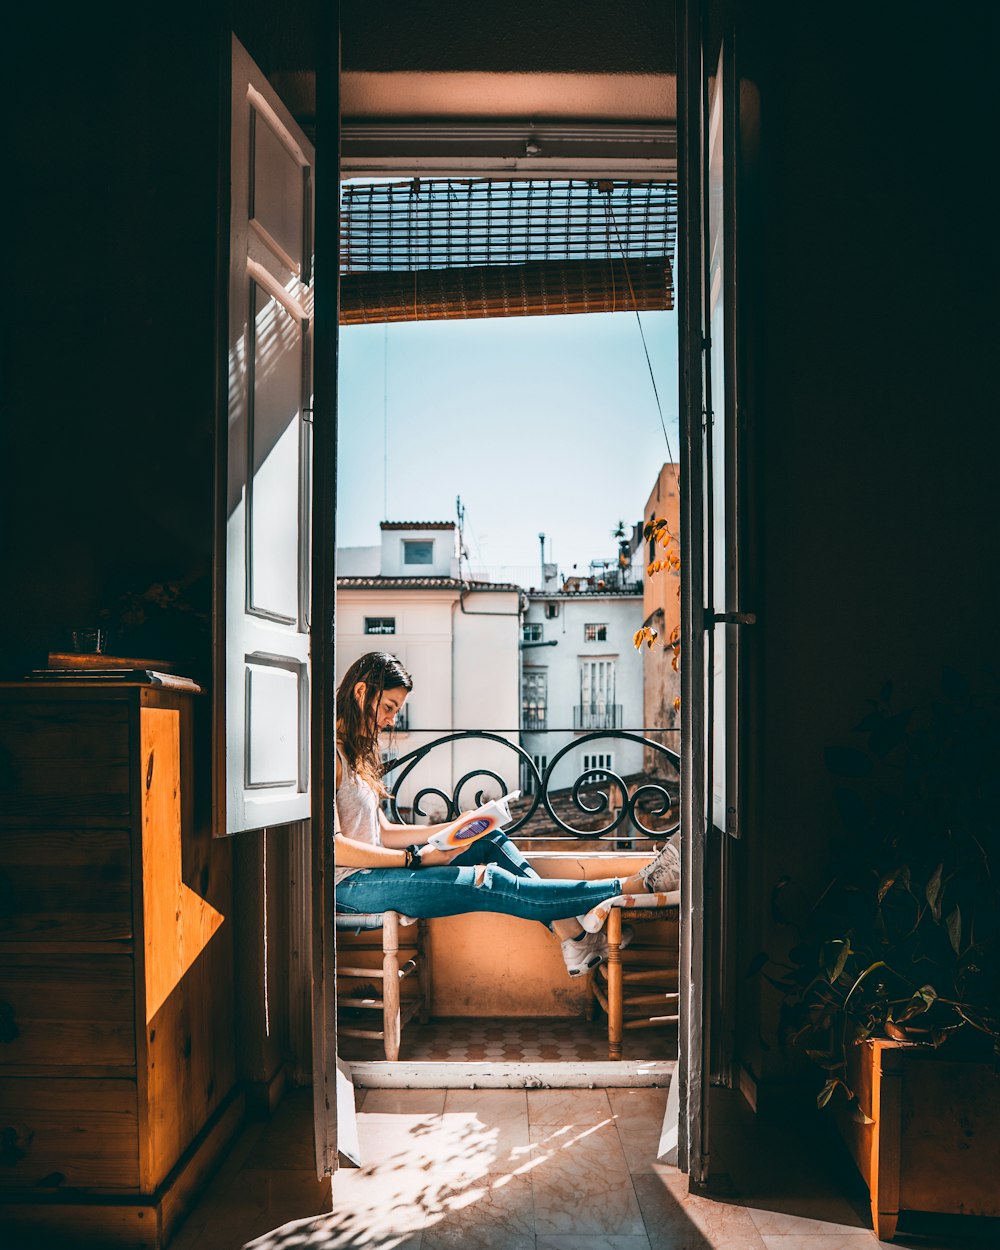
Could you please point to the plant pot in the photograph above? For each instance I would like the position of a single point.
(934, 1145)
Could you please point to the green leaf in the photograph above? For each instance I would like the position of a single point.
(933, 892)
(826, 1093)
(847, 762)
(954, 926)
(824, 1059)
(835, 956)
(928, 993)
(859, 1116)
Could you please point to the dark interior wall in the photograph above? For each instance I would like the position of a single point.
(874, 414)
(109, 360)
(109, 384)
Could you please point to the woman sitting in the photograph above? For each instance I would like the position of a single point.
(378, 864)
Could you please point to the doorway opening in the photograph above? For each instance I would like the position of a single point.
(473, 387)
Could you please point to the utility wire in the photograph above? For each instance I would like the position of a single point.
(642, 335)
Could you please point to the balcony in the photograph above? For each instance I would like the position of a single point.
(498, 976)
(593, 716)
(534, 719)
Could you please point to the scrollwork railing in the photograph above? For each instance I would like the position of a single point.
(595, 791)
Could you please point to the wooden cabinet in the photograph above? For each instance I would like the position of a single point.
(117, 1074)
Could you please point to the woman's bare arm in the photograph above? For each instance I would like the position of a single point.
(350, 853)
(403, 835)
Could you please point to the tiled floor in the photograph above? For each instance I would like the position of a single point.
(516, 1041)
(529, 1170)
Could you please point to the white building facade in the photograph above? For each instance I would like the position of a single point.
(458, 639)
(581, 674)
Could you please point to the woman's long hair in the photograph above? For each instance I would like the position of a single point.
(357, 728)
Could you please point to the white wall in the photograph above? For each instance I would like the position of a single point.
(623, 615)
(358, 561)
(445, 562)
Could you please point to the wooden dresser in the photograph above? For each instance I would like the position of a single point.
(117, 1074)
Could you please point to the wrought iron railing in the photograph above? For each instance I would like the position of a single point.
(639, 806)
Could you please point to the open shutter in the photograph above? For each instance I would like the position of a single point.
(262, 705)
(710, 539)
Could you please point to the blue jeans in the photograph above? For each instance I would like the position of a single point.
(508, 884)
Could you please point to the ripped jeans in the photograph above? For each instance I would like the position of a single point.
(490, 875)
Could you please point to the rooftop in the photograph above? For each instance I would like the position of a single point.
(417, 525)
(420, 583)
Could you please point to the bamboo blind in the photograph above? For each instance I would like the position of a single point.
(433, 249)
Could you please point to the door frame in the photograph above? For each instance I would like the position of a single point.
(692, 1068)
(324, 587)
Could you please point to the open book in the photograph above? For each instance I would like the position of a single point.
(471, 826)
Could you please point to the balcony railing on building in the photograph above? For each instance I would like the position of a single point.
(600, 807)
(589, 716)
(533, 719)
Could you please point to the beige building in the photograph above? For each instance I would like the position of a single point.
(661, 606)
(459, 640)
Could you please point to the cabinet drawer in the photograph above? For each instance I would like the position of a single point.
(65, 885)
(68, 1134)
(73, 1011)
(63, 757)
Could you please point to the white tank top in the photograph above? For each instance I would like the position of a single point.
(357, 811)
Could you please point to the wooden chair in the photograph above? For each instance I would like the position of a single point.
(396, 966)
(645, 994)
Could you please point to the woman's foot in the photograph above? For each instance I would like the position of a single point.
(663, 874)
(586, 952)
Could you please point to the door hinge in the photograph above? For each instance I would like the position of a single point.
(729, 618)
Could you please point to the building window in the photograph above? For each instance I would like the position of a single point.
(595, 633)
(529, 783)
(601, 762)
(551, 611)
(597, 708)
(380, 624)
(418, 552)
(532, 631)
(534, 694)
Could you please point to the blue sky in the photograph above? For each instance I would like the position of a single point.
(540, 424)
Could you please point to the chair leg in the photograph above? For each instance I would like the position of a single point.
(390, 985)
(615, 1029)
(424, 970)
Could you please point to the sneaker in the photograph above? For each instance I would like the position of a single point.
(582, 954)
(663, 874)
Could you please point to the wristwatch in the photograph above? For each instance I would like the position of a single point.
(412, 853)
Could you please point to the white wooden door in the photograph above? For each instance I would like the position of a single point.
(262, 706)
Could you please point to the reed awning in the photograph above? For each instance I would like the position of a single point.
(435, 249)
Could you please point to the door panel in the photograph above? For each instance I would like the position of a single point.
(262, 706)
(713, 516)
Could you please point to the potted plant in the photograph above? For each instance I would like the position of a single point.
(892, 987)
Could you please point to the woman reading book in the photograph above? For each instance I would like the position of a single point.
(383, 865)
